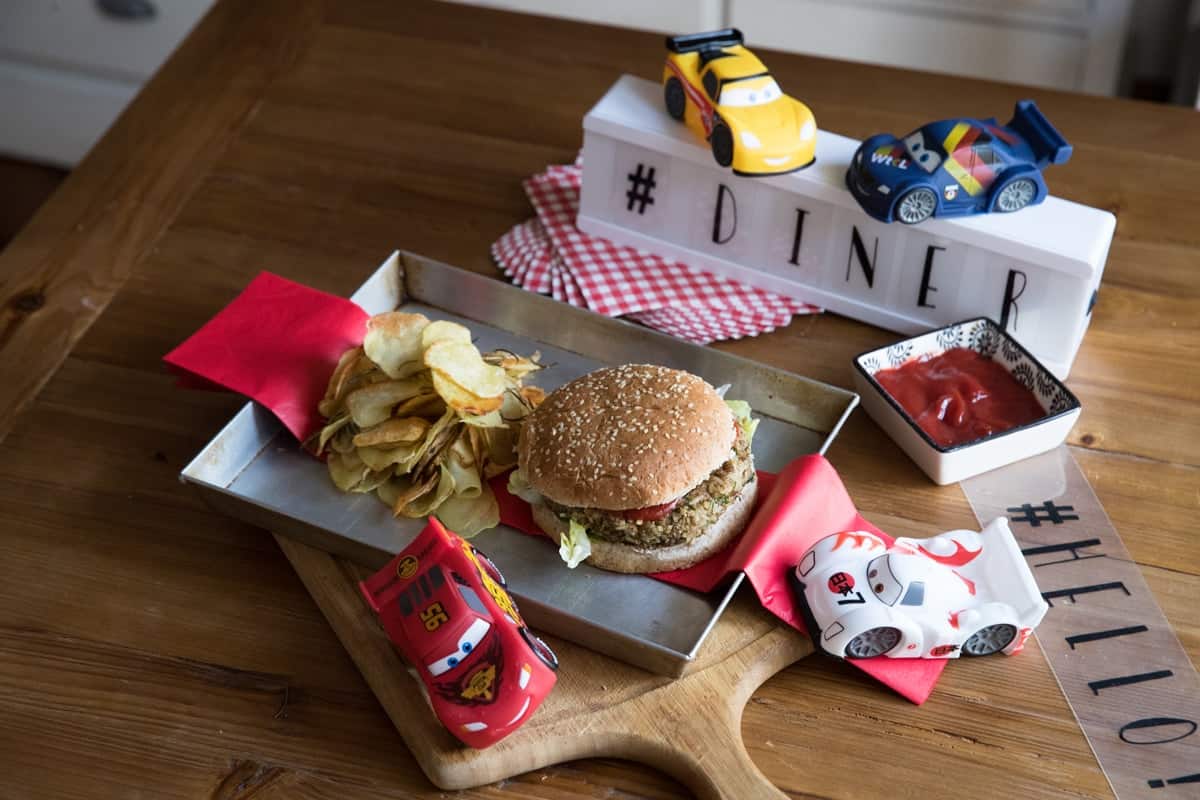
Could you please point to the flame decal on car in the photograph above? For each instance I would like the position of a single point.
(959, 558)
(857, 539)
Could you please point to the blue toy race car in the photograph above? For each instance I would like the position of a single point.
(956, 167)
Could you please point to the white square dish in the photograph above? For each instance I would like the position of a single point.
(950, 464)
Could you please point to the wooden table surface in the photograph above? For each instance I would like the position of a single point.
(150, 648)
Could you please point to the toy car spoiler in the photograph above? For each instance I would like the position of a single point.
(1049, 146)
(381, 587)
(385, 585)
(1004, 573)
(691, 42)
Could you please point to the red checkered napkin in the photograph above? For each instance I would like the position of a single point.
(705, 327)
(526, 255)
(551, 256)
(517, 249)
(619, 280)
(563, 286)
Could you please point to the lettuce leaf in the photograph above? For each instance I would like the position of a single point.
(574, 545)
(741, 413)
(520, 487)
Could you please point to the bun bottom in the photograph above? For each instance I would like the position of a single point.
(618, 557)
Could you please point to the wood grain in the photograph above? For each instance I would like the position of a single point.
(689, 727)
(150, 648)
(62, 271)
(26, 187)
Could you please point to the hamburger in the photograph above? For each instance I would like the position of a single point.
(639, 467)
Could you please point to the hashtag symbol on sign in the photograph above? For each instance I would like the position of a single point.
(1046, 512)
(641, 184)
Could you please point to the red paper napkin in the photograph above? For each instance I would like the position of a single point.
(278, 342)
(549, 255)
(804, 503)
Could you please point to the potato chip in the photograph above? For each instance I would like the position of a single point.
(444, 331)
(352, 367)
(492, 419)
(351, 474)
(393, 342)
(461, 364)
(343, 440)
(329, 430)
(533, 395)
(517, 367)
(478, 444)
(439, 437)
(468, 515)
(421, 417)
(400, 492)
(428, 404)
(425, 503)
(501, 451)
(461, 464)
(392, 431)
(372, 404)
(462, 400)
(394, 460)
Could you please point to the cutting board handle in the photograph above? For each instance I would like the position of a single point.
(693, 731)
(718, 766)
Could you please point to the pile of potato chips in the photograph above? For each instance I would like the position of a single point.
(420, 417)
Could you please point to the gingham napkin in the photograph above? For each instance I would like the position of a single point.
(549, 255)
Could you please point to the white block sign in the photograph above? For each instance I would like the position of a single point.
(649, 183)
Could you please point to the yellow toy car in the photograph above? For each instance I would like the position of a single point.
(723, 93)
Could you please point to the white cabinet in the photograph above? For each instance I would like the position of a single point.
(68, 68)
(1062, 44)
(664, 16)
(1074, 45)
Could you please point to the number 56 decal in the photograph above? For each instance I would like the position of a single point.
(433, 616)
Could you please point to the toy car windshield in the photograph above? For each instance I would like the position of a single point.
(924, 150)
(752, 91)
(883, 582)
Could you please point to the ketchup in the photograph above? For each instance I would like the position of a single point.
(960, 396)
(650, 513)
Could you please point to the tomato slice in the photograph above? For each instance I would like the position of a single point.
(650, 513)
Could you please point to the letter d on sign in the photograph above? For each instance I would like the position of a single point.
(718, 215)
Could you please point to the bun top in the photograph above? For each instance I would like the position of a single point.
(625, 437)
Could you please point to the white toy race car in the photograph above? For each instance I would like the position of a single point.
(960, 592)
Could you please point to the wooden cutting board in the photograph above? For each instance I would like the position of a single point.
(688, 727)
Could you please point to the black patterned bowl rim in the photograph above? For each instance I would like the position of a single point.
(1072, 405)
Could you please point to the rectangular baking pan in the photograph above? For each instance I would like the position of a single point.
(256, 471)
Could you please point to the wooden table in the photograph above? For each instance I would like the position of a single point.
(151, 648)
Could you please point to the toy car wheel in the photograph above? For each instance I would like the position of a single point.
(722, 144)
(1016, 195)
(491, 567)
(916, 206)
(873, 642)
(991, 639)
(675, 98)
(540, 649)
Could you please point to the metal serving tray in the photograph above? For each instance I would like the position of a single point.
(256, 471)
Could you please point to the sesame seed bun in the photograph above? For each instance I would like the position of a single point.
(625, 437)
(618, 557)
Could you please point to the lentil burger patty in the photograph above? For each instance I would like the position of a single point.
(691, 516)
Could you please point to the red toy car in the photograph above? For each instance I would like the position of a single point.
(444, 606)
